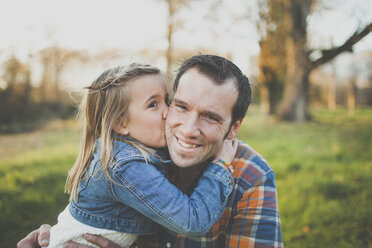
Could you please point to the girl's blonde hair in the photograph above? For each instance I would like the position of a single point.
(106, 101)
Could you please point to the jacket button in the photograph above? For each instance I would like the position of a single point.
(231, 181)
(168, 245)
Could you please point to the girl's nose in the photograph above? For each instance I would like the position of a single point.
(165, 113)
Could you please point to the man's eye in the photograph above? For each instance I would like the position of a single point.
(211, 118)
(181, 107)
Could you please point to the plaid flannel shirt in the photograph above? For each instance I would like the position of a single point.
(251, 218)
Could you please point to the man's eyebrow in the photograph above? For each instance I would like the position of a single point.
(178, 101)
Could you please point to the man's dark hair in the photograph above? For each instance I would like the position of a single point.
(221, 71)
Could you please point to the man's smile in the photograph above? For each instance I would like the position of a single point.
(186, 144)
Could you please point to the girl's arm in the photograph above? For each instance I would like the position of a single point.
(142, 187)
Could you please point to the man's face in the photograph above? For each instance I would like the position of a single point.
(199, 118)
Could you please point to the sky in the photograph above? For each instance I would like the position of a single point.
(80, 24)
(27, 26)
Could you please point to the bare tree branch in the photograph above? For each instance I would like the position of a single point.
(330, 54)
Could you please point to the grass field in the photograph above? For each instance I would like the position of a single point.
(323, 170)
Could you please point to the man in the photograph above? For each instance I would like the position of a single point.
(211, 97)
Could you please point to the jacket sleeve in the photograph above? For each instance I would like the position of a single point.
(144, 188)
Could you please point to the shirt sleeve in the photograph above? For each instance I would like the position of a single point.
(255, 221)
(144, 188)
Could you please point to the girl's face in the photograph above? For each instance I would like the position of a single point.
(147, 110)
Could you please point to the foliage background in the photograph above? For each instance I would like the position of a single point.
(323, 166)
(323, 171)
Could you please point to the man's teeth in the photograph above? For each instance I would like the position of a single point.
(186, 145)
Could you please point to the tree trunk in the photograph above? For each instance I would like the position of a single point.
(269, 90)
(263, 77)
(331, 96)
(26, 99)
(294, 103)
(272, 54)
(43, 89)
(351, 92)
(264, 99)
(169, 52)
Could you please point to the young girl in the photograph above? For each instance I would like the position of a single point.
(117, 185)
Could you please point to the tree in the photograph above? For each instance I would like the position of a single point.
(331, 96)
(351, 89)
(173, 23)
(294, 104)
(54, 59)
(15, 98)
(272, 28)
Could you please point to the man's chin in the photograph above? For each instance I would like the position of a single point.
(183, 162)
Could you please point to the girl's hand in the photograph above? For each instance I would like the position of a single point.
(228, 150)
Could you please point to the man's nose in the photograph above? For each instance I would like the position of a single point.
(189, 127)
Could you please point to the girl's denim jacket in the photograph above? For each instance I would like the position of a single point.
(138, 195)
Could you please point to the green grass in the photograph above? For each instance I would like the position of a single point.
(33, 169)
(324, 176)
(323, 173)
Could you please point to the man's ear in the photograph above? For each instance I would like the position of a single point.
(234, 129)
(120, 127)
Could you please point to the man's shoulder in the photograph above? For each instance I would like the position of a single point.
(128, 152)
(125, 152)
(249, 164)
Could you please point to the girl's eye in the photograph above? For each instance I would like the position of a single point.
(153, 104)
